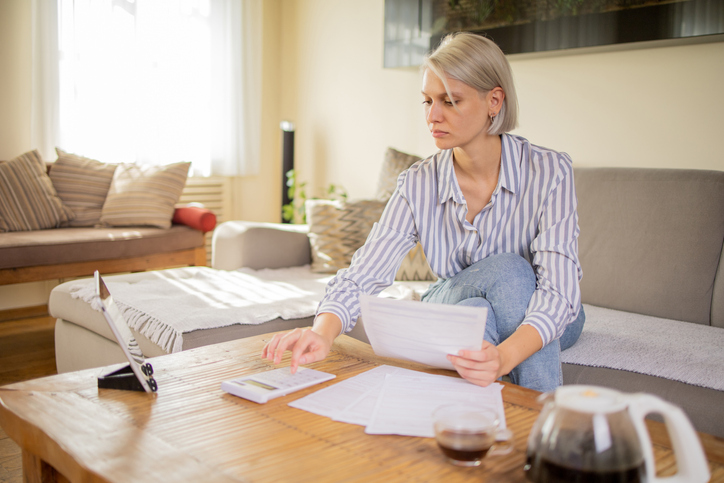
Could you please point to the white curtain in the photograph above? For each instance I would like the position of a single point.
(156, 81)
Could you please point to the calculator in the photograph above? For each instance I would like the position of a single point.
(263, 386)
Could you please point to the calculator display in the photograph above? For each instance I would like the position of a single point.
(260, 384)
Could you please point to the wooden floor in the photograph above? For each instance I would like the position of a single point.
(27, 351)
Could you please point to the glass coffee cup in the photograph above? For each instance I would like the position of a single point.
(466, 434)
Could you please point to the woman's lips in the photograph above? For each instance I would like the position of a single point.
(438, 134)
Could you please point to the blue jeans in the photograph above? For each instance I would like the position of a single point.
(504, 284)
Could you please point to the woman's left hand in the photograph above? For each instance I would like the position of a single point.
(481, 367)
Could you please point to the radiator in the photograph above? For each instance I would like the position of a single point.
(213, 193)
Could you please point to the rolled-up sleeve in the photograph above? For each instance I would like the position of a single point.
(557, 298)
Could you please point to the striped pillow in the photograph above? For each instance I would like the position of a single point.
(144, 195)
(337, 230)
(82, 184)
(28, 200)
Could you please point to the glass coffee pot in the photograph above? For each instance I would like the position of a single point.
(595, 434)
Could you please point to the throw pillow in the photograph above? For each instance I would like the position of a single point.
(28, 200)
(415, 267)
(144, 195)
(395, 163)
(82, 184)
(337, 230)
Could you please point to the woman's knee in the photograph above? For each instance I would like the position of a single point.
(514, 274)
(497, 276)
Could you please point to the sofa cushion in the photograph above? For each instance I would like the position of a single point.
(651, 240)
(415, 268)
(672, 349)
(144, 195)
(69, 245)
(82, 184)
(28, 200)
(338, 229)
(395, 163)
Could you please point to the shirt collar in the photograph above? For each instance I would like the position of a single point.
(509, 163)
(447, 187)
(509, 177)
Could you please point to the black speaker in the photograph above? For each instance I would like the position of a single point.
(287, 159)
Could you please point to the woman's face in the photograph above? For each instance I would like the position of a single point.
(450, 127)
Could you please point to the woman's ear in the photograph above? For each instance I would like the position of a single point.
(495, 98)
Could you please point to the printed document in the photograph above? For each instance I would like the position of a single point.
(406, 403)
(421, 332)
(393, 400)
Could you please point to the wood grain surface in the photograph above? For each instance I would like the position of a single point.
(191, 430)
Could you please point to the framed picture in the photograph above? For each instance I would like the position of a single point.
(413, 27)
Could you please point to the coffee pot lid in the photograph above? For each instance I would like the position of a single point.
(590, 399)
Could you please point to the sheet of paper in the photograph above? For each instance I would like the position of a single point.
(361, 409)
(406, 403)
(334, 399)
(421, 332)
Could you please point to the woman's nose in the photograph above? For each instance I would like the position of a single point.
(433, 113)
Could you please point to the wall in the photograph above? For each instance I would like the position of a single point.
(655, 105)
(15, 81)
(258, 198)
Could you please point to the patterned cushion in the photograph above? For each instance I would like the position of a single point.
(415, 268)
(395, 163)
(82, 184)
(144, 195)
(337, 230)
(28, 200)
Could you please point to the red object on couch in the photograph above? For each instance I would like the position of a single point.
(196, 217)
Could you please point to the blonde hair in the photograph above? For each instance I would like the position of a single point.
(478, 62)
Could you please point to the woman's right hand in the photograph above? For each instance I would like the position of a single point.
(307, 345)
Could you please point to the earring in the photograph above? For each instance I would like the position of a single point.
(492, 118)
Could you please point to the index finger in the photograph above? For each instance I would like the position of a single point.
(285, 341)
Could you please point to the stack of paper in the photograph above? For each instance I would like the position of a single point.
(392, 400)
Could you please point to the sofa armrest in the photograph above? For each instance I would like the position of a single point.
(238, 244)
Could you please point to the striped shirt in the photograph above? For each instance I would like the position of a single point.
(532, 213)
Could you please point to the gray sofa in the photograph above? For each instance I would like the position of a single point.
(650, 247)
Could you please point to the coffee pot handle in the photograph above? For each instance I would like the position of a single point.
(690, 459)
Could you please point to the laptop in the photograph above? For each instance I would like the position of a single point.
(138, 374)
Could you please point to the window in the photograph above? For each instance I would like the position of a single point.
(160, 81)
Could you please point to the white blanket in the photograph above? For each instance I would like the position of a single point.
(169, 303)
(681, 351)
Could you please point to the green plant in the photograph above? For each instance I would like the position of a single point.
(293, 211)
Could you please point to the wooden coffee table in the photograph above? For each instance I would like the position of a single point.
(193, 431)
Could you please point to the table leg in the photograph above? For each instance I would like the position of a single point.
(35, 470)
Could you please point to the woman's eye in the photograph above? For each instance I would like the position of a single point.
(427, 102)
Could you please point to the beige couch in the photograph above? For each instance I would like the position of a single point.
(650, 247)
(56, 208)
(31, 256)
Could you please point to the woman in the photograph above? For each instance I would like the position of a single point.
(496, 217)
